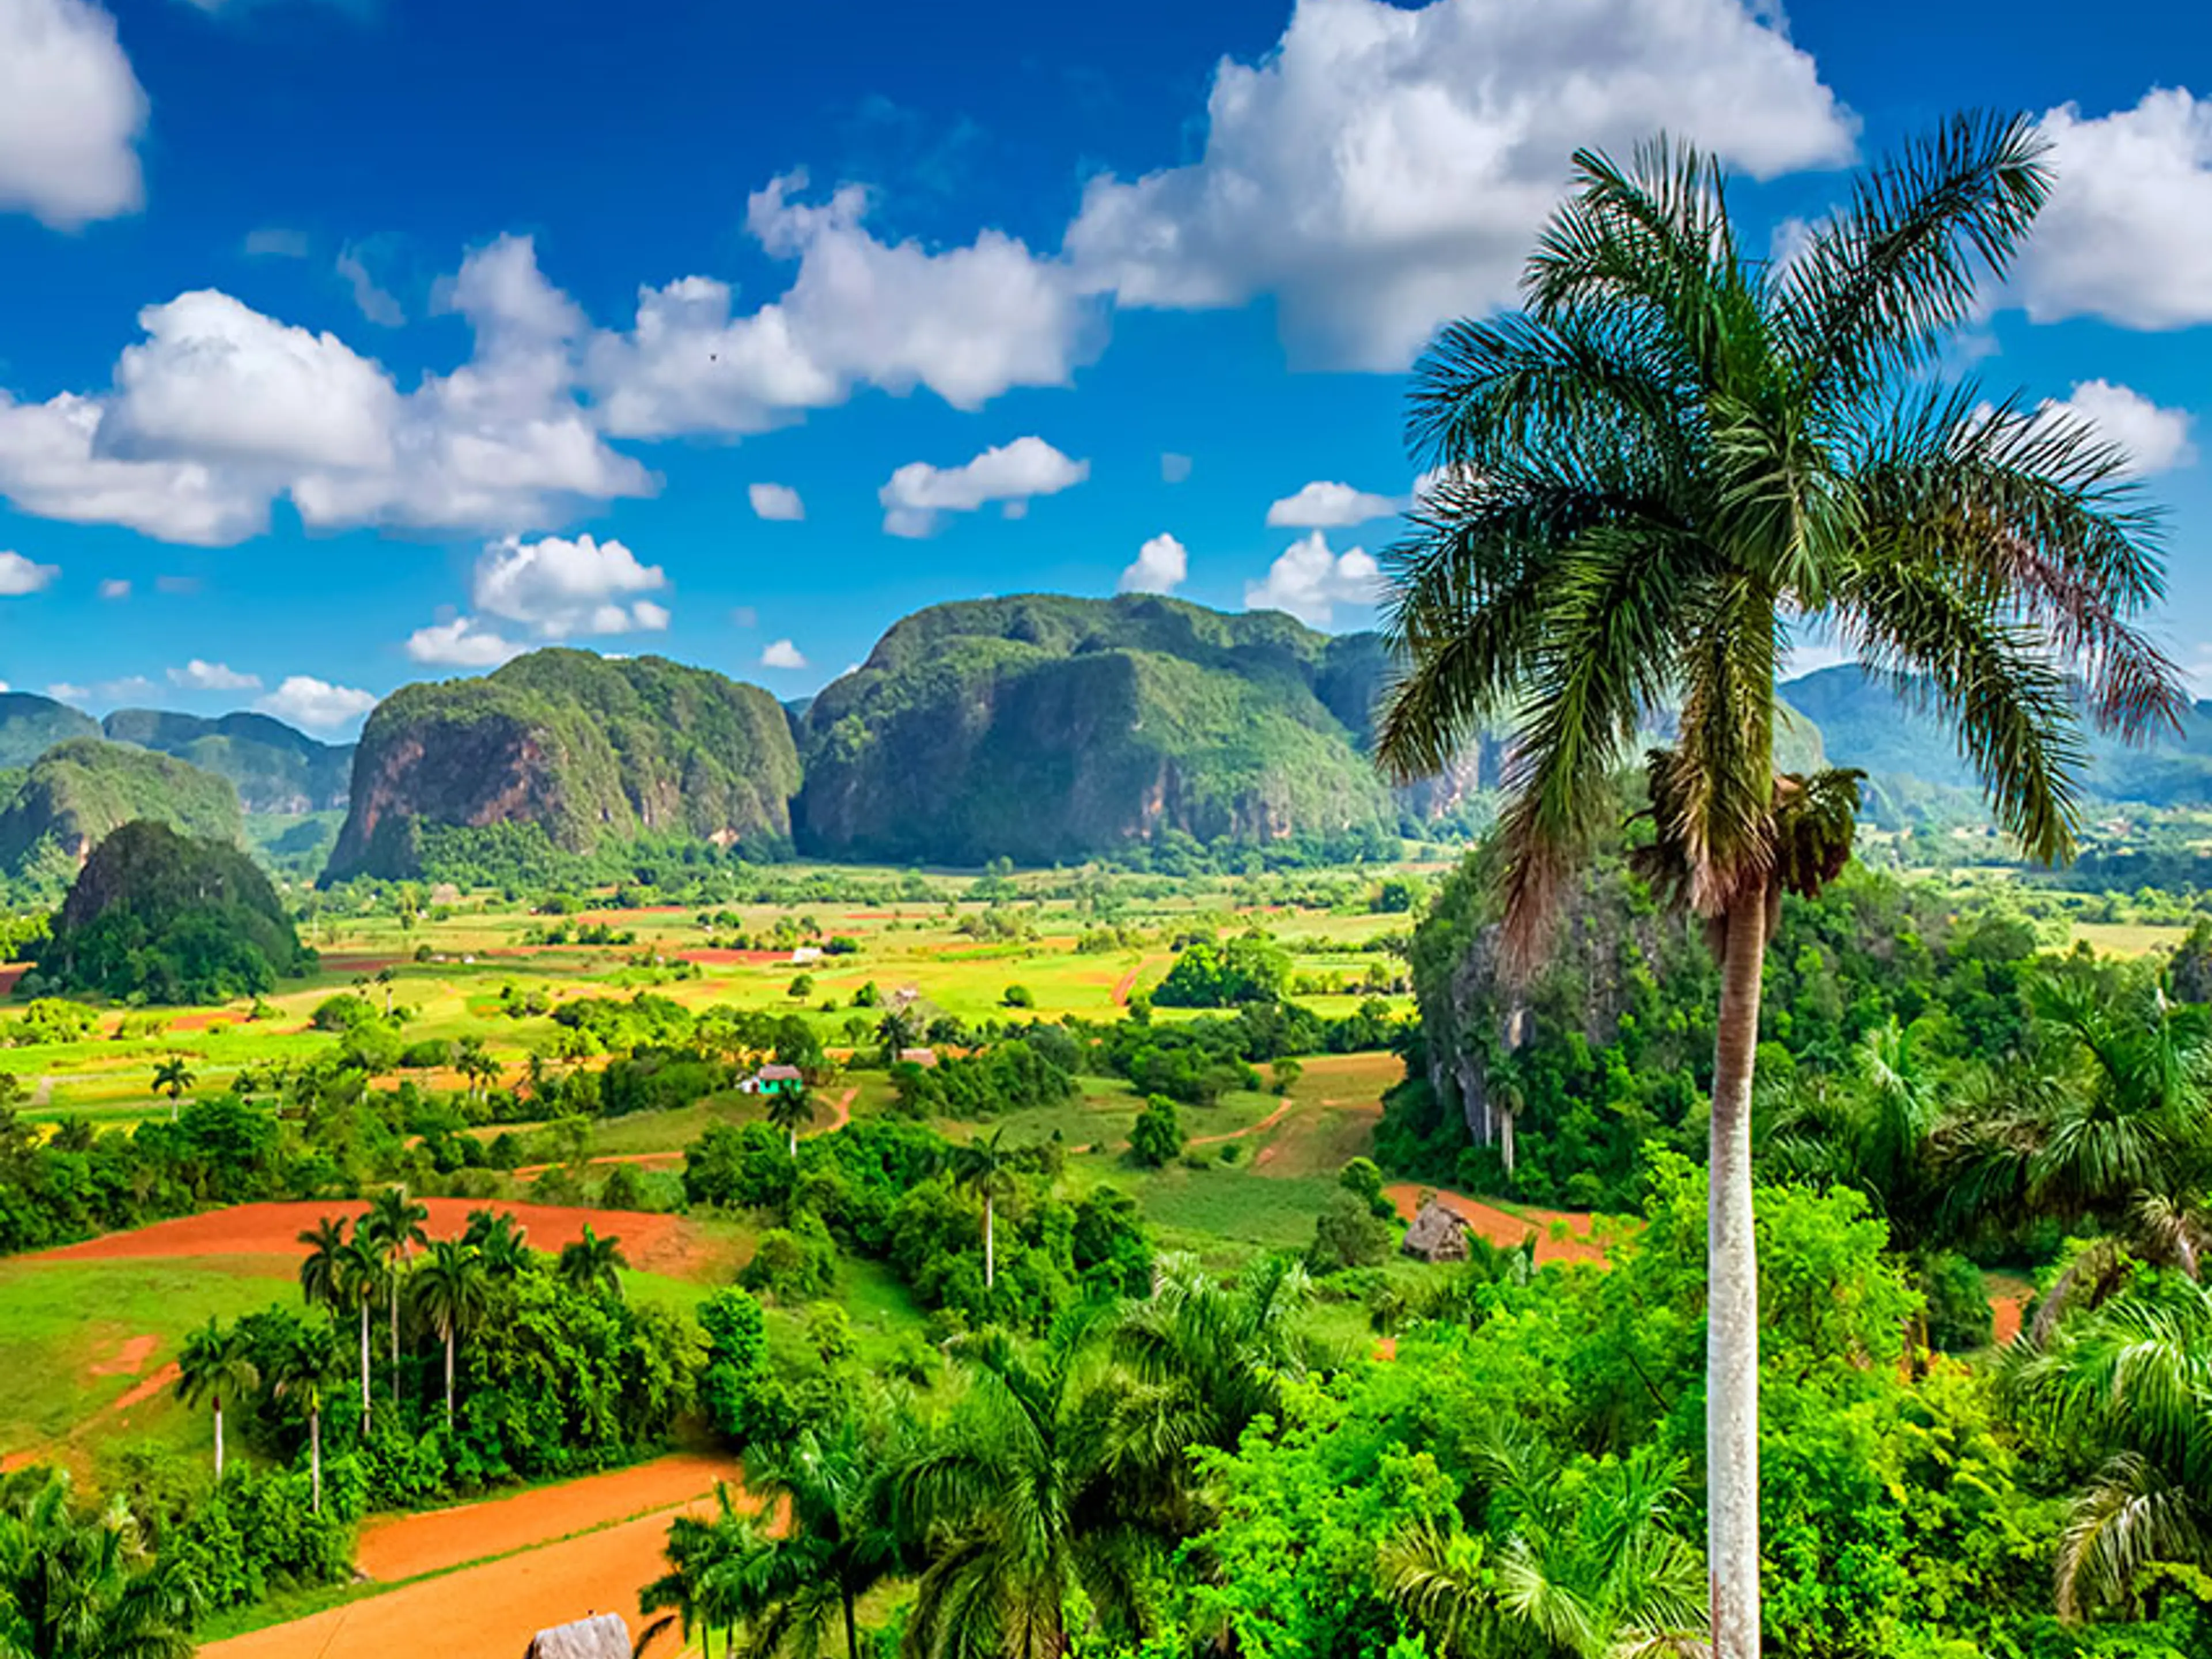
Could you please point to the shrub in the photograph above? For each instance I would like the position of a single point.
(1156, 1138)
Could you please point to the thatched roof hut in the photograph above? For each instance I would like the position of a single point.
(604, 1636)
(1437, 1234)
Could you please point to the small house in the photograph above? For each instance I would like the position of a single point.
(774, 1080)
(1437, 1234)
(806, 954)
(603, 1636)
(924, 1057)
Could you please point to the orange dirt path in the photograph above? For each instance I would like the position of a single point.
(653, 1243)
(1503, 1227)
(529, 1169)
(130, 1359)
(1126, 984)
(408, 1546)
(1282, 1111)
(2006, 1312)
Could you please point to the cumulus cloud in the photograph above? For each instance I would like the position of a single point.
(920, 495)
(1160, 566)
(70, 115)
(51, 467)
(1322, 506)
(2127, 234)
(114, 587)
(460, 643)
(775, 500)
(199, 676)
(782, 653)
(1310, 581)
(557, 588)
(316, 704)
(967, 322)
(2154, 439)
(20, 575)
(1383, 169)
(1174, 468)
(63, 691)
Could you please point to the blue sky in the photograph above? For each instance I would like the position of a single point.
(330, 330)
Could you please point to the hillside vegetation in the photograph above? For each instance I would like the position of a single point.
(78, 791)
(1042, 728)
(575, 749)
(274, 767)
(30, 725)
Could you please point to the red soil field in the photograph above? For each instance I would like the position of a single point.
(1503, 1227)
(710, 956)
(2006, 1313)
(10, 974)
(653, 1243)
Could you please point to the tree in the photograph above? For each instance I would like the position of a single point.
(1156, 1138)
(839, 1539)
(475, 1063)
(172, 1077)
(2129, 1384)
(213, 1363)
(76, 1586)
(591, 1263)
(500, 1241)
(392, 1228)
(356, 1277)
(311, 1365)
(452, 1291)
(791, 1111)
(710, 1567)
(1017, 1495)
(386, 977)
(1646, 479)
(981, 1166)
(320, 1268)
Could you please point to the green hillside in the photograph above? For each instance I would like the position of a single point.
(30, 725)
(1042, 728)
(274, 767)
(78, 791)
(586, 750)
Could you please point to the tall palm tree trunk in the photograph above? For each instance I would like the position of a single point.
(990, 1243)
(395, 1331)
(315, 1457)
(449, 1379)
(1732, 1298)
(851, 1624)
(218, 1440)
(364, 1368)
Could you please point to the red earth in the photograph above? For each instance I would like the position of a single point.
(1508, 1227)
(653, 1244)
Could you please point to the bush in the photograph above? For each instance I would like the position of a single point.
(1958, 1317)
(1364, 1180)
(793, 1264)
(1348, 1234)
(1156, 1138)
(1019, 996)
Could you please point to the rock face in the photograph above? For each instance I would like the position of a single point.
(1041, 728)
(587, 749)
(80, 790)
(274, 767)
(1436, 1235)
(31, 724)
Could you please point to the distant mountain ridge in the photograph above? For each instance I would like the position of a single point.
(274, 767)
(30, 725)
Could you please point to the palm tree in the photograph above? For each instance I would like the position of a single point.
(591, 1263)
(212, 1364)
(355, 1280)
(393, 1227)
(1600, 1575)
(76, 1586)
(712, 1561)
(838, 1539)
(172, 1077)
(320, 1269)
(385, 977)
(476, 1065)
(2131, 1381)
(311, 1365)
(1015, 1503)
(500, 1241)
(1644, 481)
(791, 1111)
(452, 1291)
(981, 1165)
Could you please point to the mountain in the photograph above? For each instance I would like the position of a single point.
(79, 790)
(274, 767)
(1913, 760)
(31, 724)
(587, 748)
(1042, 728)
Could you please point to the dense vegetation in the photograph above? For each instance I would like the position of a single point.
(30, 725)
(161, 917)
(572, 745)
(273, 768)
(79, 791)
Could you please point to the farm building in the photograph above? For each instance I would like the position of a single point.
(774, 1080)
(604, 1636)
(917, 1056)
(1436, 1235)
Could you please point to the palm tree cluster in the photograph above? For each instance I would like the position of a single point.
(78, 1585)
(1675, 455)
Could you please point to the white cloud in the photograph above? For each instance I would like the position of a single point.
(2127, 234)
(1174, 468)
(50, 467)
(63, 691)
(919, 495)
(316, 704)
(1384, 170)
(114, 587)
(275, 242)
(1160, 566)
(1309, 581)
(775, 500)
(132, 687)
(967, 322)
(70, 115)
(557, 588)
(782, 653)
(378, 306)
(1322, 506)
(20, 575)
(460, 643)
(2155, 439)
(198, 675)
